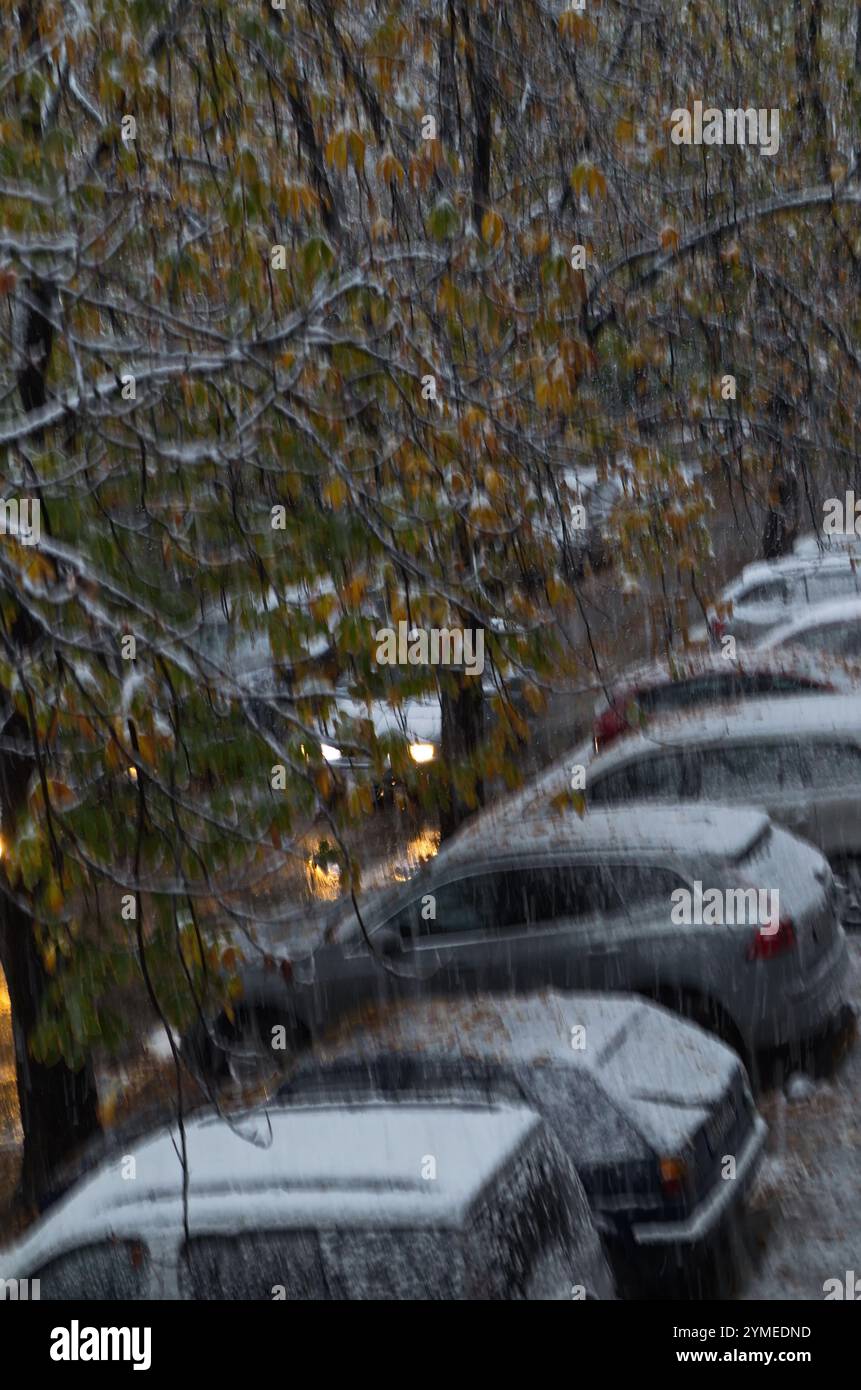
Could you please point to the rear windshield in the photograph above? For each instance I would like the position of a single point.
(719, 686)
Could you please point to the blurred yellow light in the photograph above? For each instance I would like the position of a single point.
(422, 752)
(133, 773)
(324, 881)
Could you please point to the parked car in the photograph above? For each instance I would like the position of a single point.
(573, 904)
(327, 1202)
(799, 758)
(811, 544)
(697, 677)
(769, 593)
(830, 629)
(648, 1107)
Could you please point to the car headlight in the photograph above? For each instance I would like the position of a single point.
(422, 752)
(332, 755)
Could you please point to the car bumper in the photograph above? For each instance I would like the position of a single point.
(702, 1222)
(808, 1007)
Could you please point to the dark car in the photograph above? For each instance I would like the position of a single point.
(656, 1115)
(697, 678)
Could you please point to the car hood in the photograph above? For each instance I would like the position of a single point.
(664, 1073)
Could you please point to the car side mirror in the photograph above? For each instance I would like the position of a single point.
(388, 942)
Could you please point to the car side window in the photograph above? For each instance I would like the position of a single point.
(631, 887)
(837, 639)
(850, 645)
(540, 894)
(773, 591)
(773, 685)
(464, 905)
(755, 769)
(115, 1269)
(833, 764)
(664, 775)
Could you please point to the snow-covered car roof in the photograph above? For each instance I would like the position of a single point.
(706, 832)
(655, 1066)
(281, 1168)
(419, 720)
(842, 610)
(812, 716)
(825, 543)
(696, 661)
(788, 567)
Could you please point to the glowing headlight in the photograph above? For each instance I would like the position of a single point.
(422, 752)
(332, 755)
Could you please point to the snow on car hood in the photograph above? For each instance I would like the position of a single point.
(662, 1072)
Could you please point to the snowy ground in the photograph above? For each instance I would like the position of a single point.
(809, 1197)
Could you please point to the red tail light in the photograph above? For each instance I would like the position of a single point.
(768, 943)
(608, 726)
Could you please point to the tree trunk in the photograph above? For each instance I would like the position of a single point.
(781, 524)
(59, 1107)
(462, 734)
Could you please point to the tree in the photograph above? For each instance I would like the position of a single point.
(297, 348)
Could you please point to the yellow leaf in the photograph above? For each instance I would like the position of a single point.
(492, 227)
(336, 150)
(335, 493)
(578, 27)
(356, 145)
(146, 748)
(60, 795)
(354, 591)
(54, 896)
(389, 168)
(596, 183)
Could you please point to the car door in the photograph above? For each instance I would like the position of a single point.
(834, 795)
(448, 934)
(659, 776)
(760, 608)
(768, 773)
(628, 932)
(509, 928)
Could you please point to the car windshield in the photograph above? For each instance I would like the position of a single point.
(323, 1265)
(406, 1075)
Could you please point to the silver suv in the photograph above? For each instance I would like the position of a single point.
(578, 905)
(799, 758)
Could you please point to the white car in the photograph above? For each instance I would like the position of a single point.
(830, 628)
(431, 1200)
(798, 757)
(814, 545)
(770, 593)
